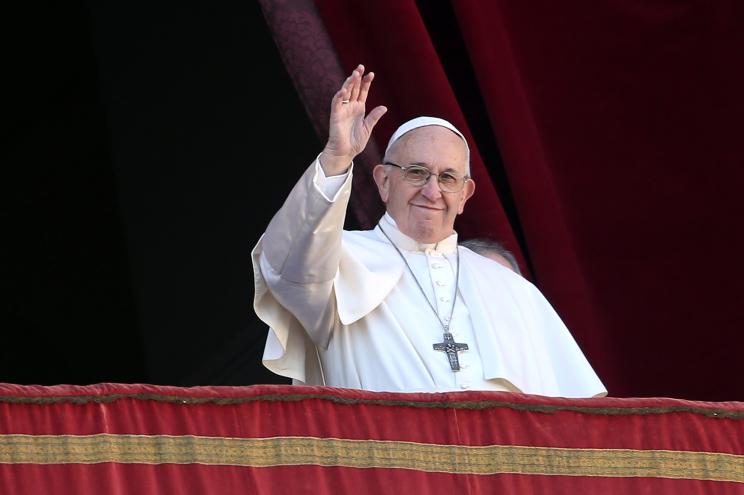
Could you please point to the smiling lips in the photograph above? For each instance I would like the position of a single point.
(428, 207)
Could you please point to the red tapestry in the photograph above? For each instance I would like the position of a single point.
(113, 438)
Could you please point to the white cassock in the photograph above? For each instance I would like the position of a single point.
(344, 311)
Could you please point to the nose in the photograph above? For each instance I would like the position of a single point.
(431, 190)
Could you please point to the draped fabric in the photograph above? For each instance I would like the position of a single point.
(611, 132)
(114, 438)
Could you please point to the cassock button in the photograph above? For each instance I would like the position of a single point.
(464, 386)
(436, 266)
(444, 299)
(440, 283)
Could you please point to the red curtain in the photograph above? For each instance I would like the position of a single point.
(620, 127)
(115, 438)
(618, 124)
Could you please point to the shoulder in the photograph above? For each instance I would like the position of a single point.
(364, 239)
(493, 270)
(492, 276)
(360, 235)
(368, 247)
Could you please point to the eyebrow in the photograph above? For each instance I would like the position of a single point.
(424, 164)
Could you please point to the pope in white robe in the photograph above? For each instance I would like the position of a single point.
(371, 309)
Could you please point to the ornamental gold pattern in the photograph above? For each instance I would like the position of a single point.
(295, 451)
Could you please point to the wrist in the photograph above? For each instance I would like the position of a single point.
(333, 164)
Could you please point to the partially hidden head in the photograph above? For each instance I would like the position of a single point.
(425, 211)
(495, 251)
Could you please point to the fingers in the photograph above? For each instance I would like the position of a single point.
(371, 120)
(349, 130)
(364, 87)
(352, 88)
(339, 98)
(356, 79)
(355, 90)
(342, 95)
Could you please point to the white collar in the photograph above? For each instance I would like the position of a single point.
(445, 246)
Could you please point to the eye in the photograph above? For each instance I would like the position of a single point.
(417, 173)
(448, 178)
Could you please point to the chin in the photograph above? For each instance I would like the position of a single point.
(427, 235)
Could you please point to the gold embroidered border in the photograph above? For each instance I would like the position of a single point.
(289, 451)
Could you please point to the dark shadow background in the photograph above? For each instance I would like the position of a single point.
(144, 149)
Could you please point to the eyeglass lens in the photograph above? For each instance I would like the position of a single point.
(419, 176)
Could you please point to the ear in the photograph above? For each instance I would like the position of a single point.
(383, 183)
(467, 192)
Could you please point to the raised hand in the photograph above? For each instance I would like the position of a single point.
(349, 129)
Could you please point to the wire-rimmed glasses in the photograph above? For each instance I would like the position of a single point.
(418, 175)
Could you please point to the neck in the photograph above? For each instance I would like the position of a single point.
(408, 243)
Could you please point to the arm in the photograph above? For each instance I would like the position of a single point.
(301, 248)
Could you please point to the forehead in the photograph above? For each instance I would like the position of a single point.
(432, 145)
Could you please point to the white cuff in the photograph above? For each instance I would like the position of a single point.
(329, 187)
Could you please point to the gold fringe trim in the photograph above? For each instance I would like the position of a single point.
(292, 451)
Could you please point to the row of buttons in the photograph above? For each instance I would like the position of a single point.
(435, 265)
(438, 266)
(464, 382)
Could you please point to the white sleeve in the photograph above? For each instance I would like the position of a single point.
(294, 264)
(329, 187)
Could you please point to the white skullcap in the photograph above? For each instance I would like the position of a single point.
(423, 122)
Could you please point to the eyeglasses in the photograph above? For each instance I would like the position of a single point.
(419, 175)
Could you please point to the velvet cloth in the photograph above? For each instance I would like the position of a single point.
(618, 124)
(115, 438)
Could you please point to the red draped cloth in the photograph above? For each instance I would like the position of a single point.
(113, 438)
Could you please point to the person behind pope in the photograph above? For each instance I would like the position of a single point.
(494, 250)
(400, 307)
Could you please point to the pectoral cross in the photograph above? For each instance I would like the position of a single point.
(451, 348)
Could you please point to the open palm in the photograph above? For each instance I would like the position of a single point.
(349, 129)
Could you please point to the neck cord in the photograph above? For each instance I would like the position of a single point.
(457, 281)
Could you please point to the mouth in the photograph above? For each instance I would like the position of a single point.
(428, 207)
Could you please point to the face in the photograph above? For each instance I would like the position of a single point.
(425, 214)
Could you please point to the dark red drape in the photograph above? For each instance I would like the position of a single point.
(145, 439)
(618, 126)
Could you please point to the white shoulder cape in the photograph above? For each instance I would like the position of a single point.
(526, 342)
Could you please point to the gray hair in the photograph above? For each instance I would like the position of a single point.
(485, 246)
